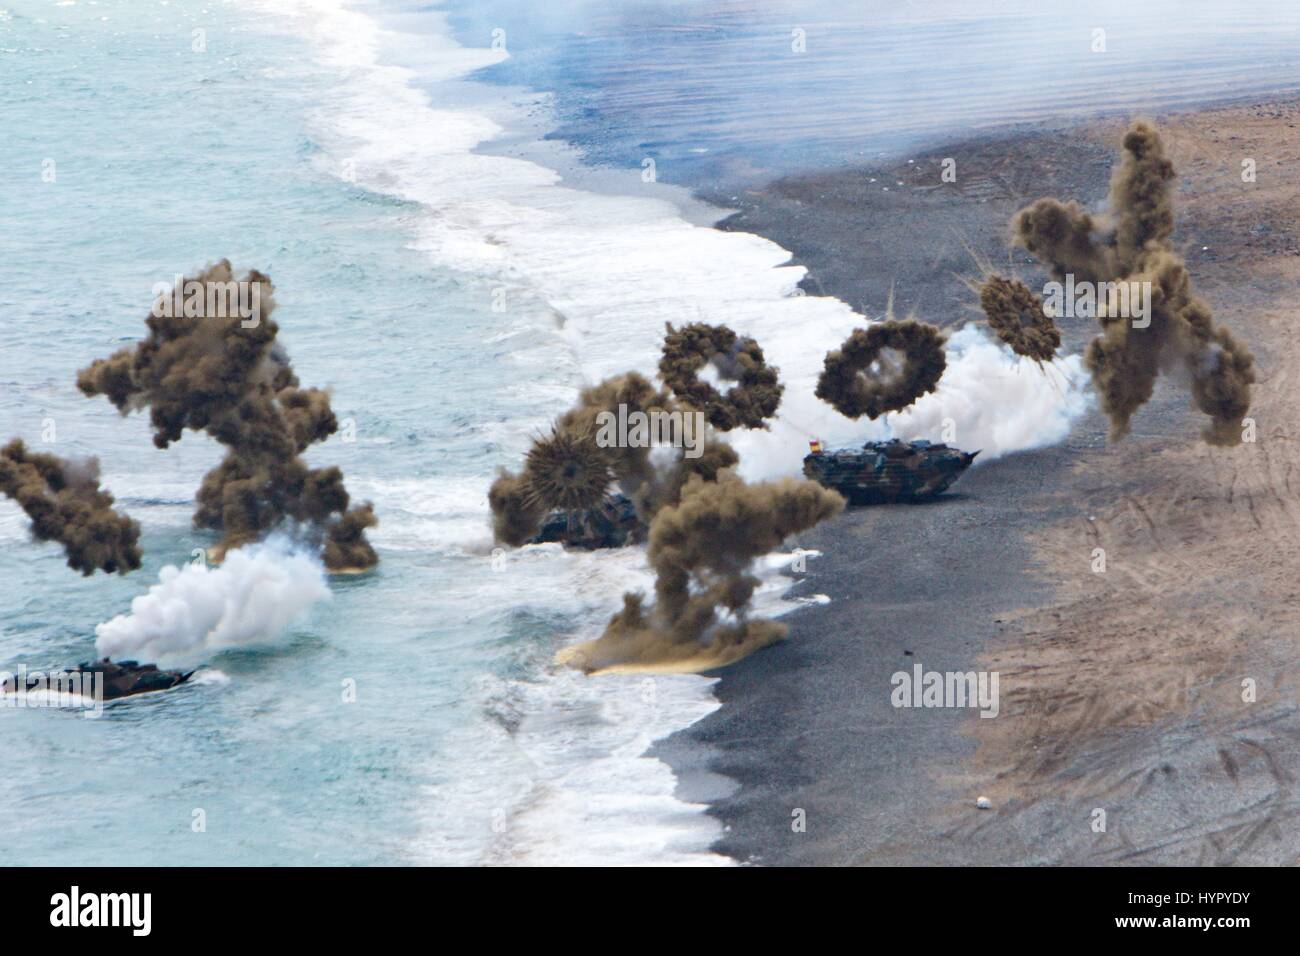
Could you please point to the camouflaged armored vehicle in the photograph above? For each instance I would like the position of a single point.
(888, 470)
(124, 678)
(611, 524)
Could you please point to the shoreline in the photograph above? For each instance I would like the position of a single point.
(958, 584)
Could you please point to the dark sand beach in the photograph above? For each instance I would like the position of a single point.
(1120, 691)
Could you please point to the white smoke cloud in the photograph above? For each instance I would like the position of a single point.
(997, 401)
(194, 612)
(989, 400)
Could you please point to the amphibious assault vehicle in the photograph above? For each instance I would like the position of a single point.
(884, 471)
(611, 524)
(121, 678)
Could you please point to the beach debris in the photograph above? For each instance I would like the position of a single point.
(219, 369)
(984, 803)
(65, 504)
(1133, 248)
(756, 394)
(1016, 316)
(702, 550)
(884, 367)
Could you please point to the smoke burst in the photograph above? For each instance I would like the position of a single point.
(517, 513)
(702, 551)
(756, 394)
(1135, 246)
(520, 502)
(1016, 316)
(66, 505)
(563, 470)
(567, 471)
(883, 368)
(224, 375)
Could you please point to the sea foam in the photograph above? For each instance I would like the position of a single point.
(613, 268)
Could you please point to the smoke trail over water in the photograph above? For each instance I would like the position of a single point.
(195, 612)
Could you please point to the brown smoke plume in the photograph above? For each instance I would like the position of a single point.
(756, 394)
(883, 368)
(517, 514)
(563, 470)
(211, 373)
(702, 550)
(66, 505)
(1016, 316)
(568, 470)
(630, 466)
(520, 502)
(1135, 246)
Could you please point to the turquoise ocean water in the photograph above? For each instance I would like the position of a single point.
(166, 159)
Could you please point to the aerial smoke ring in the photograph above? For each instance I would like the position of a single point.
(753, 398)
(850, 384)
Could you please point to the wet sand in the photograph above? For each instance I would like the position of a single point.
(1120, 691)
